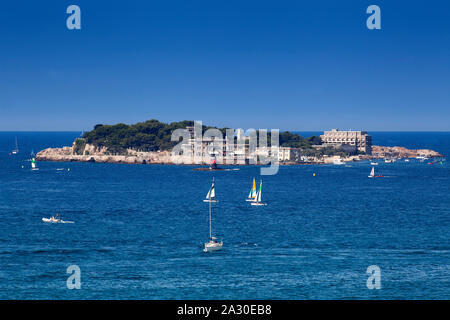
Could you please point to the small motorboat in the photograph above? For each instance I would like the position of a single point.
(53, 219)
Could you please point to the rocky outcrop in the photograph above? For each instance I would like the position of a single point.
(90, 153)
(93, 154)
(401, 152)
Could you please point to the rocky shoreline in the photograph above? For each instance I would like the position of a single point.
(101, 155)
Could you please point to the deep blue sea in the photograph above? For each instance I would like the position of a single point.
(139, 229)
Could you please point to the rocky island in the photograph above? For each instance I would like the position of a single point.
(150, 143)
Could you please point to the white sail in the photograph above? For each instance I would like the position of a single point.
(252, 194)
(211, 193)
(213, 244)
(259, 193)
(257, 201)
(372, 173)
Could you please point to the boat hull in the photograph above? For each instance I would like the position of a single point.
(212, 246)
(55, 221)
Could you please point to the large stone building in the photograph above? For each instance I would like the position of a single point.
(358, 140)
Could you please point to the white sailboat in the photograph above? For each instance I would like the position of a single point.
(33, 165)
(257, 201)
(213, 244)
(252, 194)
(372, 173)
(16, 150)
(211, 195)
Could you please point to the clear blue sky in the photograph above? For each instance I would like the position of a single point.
(292, 65)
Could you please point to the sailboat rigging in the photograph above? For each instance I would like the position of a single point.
(16, 150)
(213, 244)
(257, 201)
(252, 194)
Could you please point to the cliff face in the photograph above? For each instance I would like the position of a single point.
(400, 152)
(92, 154)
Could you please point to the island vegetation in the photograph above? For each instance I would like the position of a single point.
(153, 135)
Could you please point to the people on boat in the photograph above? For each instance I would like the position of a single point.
(55, 218)
(213, 164)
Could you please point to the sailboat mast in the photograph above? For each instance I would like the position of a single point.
(210, 228)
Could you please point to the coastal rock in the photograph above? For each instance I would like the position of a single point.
(401, 152)
(100, 155)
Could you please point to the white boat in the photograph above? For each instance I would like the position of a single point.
(55, 220)
(406, 160)
(252, 194)
(338, 161)
(372, 173)
(373, 163)
(213, 244)
(33, 165)
(16, 150)
(211, 195)
(257, 201)
(388, 160)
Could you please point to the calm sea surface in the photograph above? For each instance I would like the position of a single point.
(139, 229)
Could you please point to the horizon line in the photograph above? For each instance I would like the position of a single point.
(368, 131)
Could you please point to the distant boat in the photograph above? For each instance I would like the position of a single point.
(389, 160)
(33, 165)
(422, 158)
(211, 195)
(213, 244)
(373, 163)
(252, 194)
(372, 174)
(16, 150)
(56, 219)
(406, 160)
(338, 161)
(257, 200)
